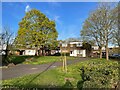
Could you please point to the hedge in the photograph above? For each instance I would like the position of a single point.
(101, 74)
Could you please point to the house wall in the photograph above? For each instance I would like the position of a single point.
(3, 47)
(95, 51)
(73, 53)
(114, 50)
(79, 53)
(97, 48)
(83, 53)
(64, 50)
(29, 52)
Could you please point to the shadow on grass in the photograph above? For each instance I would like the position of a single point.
(68, 85)
(40, 73)
(80, 85)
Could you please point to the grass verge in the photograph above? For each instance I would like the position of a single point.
(73, 77)
(38, 59)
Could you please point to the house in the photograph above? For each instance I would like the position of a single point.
(32, 51)
(3, 49)
(114, 50)
(18, 51)
(45, 51)
(24, 52)
(95, 49)
(111, 50)
(74, 48)
(96, 52)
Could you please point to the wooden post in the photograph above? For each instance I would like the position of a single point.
(65, 61)
(65, 64)
(62, 60)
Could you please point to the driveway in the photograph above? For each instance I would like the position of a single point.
(25, 69)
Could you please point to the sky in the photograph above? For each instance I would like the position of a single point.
(69, 16)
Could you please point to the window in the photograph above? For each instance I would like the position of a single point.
(64, 45)
(79, 45)
(79, 52)
(32, 51)
(70, 52)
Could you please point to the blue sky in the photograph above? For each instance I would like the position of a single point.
(69, 16)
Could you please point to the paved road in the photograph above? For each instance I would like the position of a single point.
(24, 69)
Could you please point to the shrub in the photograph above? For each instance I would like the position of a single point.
(56, 54)
(18, 59)
(100, 74)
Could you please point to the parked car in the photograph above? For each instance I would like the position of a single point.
(115, 56)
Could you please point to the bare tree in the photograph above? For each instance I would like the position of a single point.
(6, 41)
(92, 29)
(116, 33)
(100, 26)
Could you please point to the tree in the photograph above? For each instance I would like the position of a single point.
(92, 29)
(109, 22)
(6, 38)
(36, 30)
(88, 47)
(100, 26)
(116, 34)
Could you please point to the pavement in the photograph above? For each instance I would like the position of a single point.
(25, 69)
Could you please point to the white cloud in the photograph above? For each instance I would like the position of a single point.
(53, 16)
(56, 18)
(27, 8)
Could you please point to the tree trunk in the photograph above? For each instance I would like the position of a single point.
(36, 52)
(107, 54)
(100, 52)
(6, 55)
(119, 50)
(42, 51)
(6, 51)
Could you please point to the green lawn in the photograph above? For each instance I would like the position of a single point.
(38, 59)
(96, 68)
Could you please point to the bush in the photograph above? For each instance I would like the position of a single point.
(5, 60)
(56, 54)
(18, 59)
(100, 74)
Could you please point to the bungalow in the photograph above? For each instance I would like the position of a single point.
(32, 51)
(25, 52)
